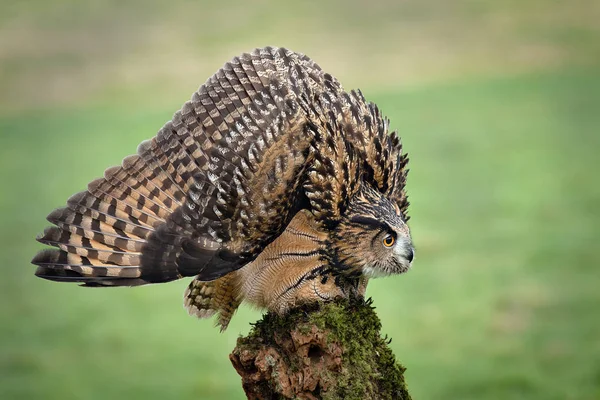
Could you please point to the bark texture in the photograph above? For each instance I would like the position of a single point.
(324, 351)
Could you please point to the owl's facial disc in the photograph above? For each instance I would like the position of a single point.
(374, 236)
(381, 244)
(394, 252)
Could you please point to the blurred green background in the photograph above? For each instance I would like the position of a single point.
(498, 105)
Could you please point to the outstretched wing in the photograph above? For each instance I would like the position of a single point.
(217, 184)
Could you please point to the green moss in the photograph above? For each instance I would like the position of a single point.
(369, 368)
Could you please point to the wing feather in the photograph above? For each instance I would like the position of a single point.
(269, 134)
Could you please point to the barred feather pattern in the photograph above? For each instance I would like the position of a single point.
(290, 271)
(268, 138)
(205, 299)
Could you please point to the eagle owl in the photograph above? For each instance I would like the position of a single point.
(272, 185)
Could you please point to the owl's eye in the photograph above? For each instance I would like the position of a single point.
(389, 240)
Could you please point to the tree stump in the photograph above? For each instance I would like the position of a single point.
(322, 351)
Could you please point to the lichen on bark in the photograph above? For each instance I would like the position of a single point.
(322, 351)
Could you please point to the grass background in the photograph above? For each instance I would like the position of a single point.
(497, 103)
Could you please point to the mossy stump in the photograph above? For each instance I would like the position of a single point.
(324, 351)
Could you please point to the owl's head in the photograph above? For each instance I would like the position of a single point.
(373, 236)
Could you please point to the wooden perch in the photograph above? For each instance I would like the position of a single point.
(323, 351)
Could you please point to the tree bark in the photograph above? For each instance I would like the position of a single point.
(323, 351)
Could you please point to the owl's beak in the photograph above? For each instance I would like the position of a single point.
(405, 252)
(410, 254)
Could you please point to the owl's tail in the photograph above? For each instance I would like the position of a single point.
(204, 299)
(100, 234)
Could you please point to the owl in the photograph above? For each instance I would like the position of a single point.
(272, 186)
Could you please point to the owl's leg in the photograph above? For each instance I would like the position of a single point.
(315, 289)
(363, 281)
(204, 299)
(326, 288)
(320, 288)
(353, 285)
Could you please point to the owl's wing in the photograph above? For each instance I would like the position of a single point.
(217, 184)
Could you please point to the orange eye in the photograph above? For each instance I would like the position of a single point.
(389, 240)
